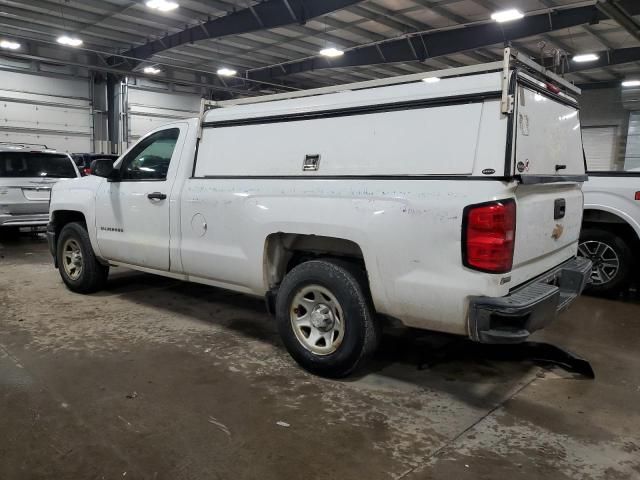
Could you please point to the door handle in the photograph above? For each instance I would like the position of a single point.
(156, 196)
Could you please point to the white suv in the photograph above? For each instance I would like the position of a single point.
(27, 173)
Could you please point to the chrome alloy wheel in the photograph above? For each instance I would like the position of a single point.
(604, 258)
(317, 319)
(72, 259)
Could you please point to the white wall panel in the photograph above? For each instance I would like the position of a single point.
(46, 110)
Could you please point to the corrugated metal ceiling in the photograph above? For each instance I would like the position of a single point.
(114, 26)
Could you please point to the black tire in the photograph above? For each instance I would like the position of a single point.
(590, 238)
(347, 284)
(93, 274)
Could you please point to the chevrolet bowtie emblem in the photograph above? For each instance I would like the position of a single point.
(557, 232)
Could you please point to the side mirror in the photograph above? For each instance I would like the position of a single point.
(103, 167)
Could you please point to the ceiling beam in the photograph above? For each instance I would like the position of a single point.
(599, 85)
(623, 17)
(422, 46)
(265, 15)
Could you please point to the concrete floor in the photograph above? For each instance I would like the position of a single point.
(158, 379)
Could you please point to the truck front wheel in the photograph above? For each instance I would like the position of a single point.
(611, 258)
(77, 264)
(325, 317)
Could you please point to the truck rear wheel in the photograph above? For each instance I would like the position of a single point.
(612, 260)
(325, 317)
(77, 264)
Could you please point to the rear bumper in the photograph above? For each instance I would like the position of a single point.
(33, 220)
(513, 318)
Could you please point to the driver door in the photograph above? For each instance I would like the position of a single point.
(132, 213)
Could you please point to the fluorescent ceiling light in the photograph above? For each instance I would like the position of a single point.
(226, 72)
(9, 45)
(631, 83)
(507, 15)
(162, 5)
(151, 70)
(586, 57)
(431, 80)
(331, 52)
(70, 41)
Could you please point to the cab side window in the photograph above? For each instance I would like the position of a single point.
(150, 159)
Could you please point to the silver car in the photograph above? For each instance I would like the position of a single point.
(27, 173)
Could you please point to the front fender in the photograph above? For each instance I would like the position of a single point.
(78, 195)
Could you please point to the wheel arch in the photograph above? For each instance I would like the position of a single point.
(59, 218)
(616, 221)
(283, 251)
(63, 216)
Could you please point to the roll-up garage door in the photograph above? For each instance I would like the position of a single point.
(55, 112)
(600, 145)
(148, 109)
(632, 158)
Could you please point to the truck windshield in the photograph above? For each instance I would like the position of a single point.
(35, 164)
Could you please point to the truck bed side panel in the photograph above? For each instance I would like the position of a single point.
(408, 230)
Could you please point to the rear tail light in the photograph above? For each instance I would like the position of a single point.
(86, 171)
(488, 236)
(637, 195)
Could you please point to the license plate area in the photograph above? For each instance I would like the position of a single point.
(37, 194)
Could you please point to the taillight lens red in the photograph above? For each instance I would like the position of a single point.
(637, 195)
(488, 236)
(86, 171)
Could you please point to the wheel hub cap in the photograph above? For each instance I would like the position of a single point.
(317, 319)
(76, 259)
(606, 263)
(72, 259)
(322, 318)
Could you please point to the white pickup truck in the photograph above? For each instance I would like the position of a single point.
(451, 205)
(611, 230)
